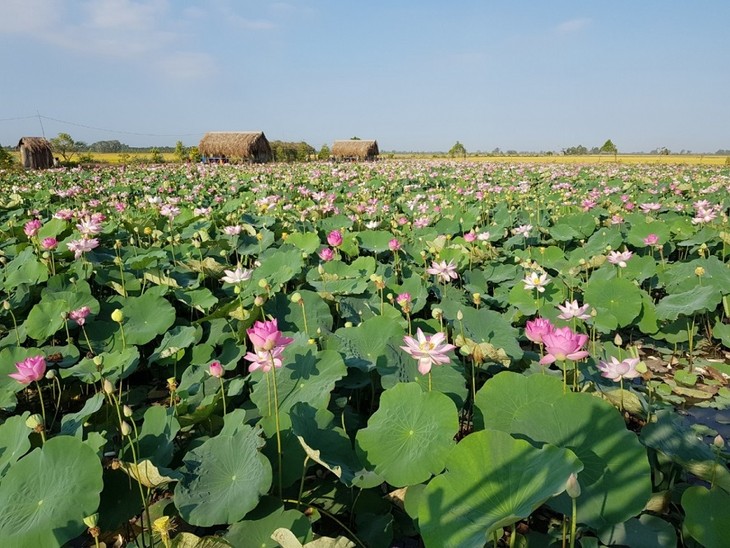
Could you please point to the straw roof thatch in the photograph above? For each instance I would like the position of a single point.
(251, 146)
(355, 149)
(35, 152)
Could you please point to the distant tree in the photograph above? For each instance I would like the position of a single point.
(64, 145)
(291, 152)
(664, 151)
(354, 138)
(6, 159)
(181, 153)
(609, 148)
(156, 157)
(457, 150)
(575, 151)
(107, 146)
(324, 153)
(194, 155)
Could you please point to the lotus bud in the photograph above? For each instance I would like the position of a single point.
(131, 241)
(572, 487)
(617, 340)
(98, 361)
(459, 315)
(718, 442)
(108, 387)
(6, 305)
(118, 315)
(127, 411)
(311, 341)
(348, 324)
(125, 429)
(259, 301)
(50, 374)
(477, 298)
(236, 289)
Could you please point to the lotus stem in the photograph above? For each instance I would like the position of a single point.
(43, 412)
(276, 421)
(573, 521)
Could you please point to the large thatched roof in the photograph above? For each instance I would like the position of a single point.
(35, 152)
(355, 148)
(245, 145)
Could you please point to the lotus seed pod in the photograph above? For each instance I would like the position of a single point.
(34, 421)
(263, 283)
(296, 297)
(92, 520)
(437, 313)
(118, 315)
(572, 487)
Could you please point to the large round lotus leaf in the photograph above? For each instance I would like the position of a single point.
(260, 523)
(642, 229)
(485, 325)
(306, 241)
(493, 480)
(307, 376)
(45, 319)
(24, 269)
(278, 266)
(699, 299)
(646, 530)
(14, 441)
(46, 495)
(681, 277)
(145, 317)
(374, 240)
(291, 315)
(224, 479)
(364, 346)
(617, 302)
(408, 438)
(707, 515)
(615, 482)
(175, 339)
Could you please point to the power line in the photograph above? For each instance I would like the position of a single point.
(40, 116)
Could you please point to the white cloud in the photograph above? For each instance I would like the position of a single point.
(29, 16)
(573, 25)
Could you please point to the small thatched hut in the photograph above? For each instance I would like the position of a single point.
(241, 146)
(35, 153)
(355, 149)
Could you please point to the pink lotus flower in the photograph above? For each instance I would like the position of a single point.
(403, 298)
(470, 236)
(82, 245)
(443, 270)
(264, 360)
(620, 259)
(31, 228)
(49, 244)
(79, 315)
(394, 245)
(30, 369)
(651, 239)
(428, 350)
(618, 370)
(536, 329)
(215, 369)
(334, 238)
(522, 230)
(327, 254)
(571, 310)
(562, 344)
(232, 230)
(266, 336)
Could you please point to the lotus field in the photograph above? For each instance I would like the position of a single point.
(398, 353)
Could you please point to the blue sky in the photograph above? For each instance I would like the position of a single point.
(415, 75)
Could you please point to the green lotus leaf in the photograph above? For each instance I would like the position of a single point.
(190, 540)
(646, 530)
(278, 266)
(224, 479)
(493, 480)
(24, 269)
(306, 376)
(339, 278)
(580, 224)
(157, 434)
(617, 302)
(72, 423)
(722, 331)
(408, 438)
(115, 365)
(374, 240)
(640, 268)
(485, 325)
(260, 523)
(46, 495)
(46, 318)
(306, 241)
(146, 317)
(291, 316)
(176, 339)
(364, 346)
(681, 277)
(615, 482)
(14, 442)
(602, 239)
(199, 299)
(700, 299)
(707, 515)
(641, 229)
(324, 443)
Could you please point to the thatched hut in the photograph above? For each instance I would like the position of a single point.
(355, 149)
(236, 146)
(35, 153)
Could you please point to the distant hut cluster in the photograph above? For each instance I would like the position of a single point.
(35, 153)
(355, 149)
(235, 146)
